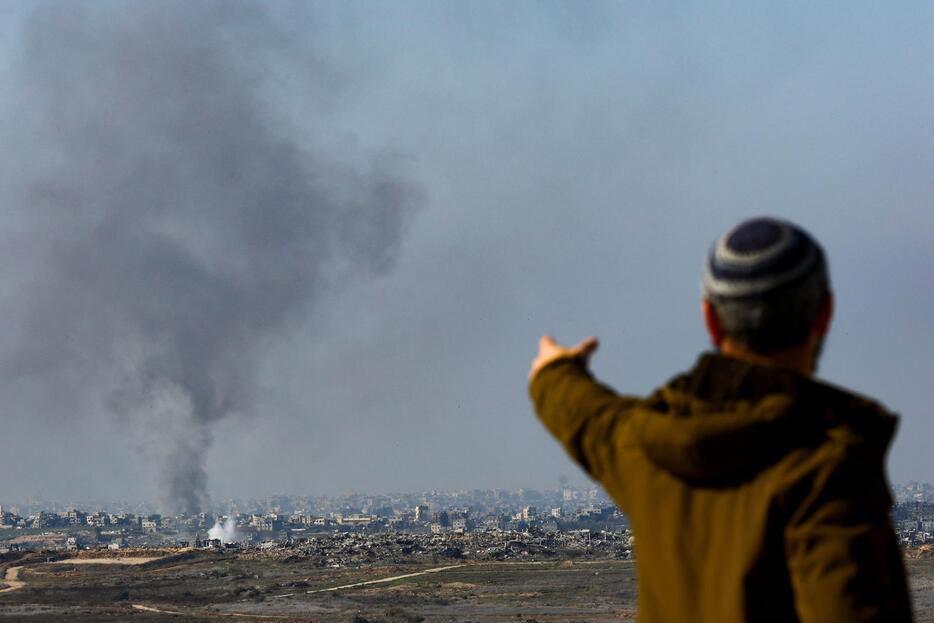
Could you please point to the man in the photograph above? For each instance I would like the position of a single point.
(755, 492)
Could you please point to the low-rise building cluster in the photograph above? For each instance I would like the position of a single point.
(288, 519)
(477, 524)
(914, 522)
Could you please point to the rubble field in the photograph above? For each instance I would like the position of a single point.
(473, 580)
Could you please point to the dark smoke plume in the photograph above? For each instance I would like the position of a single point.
(163, 223)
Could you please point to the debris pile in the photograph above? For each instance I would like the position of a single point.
(350, 549)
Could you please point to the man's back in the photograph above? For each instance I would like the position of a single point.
(754, 493)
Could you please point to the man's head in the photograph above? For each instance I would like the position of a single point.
(767, 292)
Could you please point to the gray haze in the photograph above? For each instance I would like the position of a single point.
(169, 220)
(575, 160)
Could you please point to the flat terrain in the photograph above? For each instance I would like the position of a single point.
(222, 586)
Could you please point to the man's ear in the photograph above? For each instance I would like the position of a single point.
(712, 322)
(825, 315)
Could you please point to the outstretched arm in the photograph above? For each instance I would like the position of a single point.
(587, 417)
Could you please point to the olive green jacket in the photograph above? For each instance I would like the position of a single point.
(754, 493)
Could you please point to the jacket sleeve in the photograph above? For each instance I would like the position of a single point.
(585, 416)
(843, 557)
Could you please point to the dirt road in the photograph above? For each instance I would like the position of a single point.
(215, 613)
(382, 580)
(11, 579)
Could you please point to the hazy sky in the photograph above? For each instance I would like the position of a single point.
(559, 167)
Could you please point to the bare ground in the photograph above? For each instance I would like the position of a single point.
(218, 586)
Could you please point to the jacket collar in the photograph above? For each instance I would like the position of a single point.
(727, 419)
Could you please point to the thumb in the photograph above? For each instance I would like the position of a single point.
(547, 345)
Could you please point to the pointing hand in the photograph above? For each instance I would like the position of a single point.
(549, 350)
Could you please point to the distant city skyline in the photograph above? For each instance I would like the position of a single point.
(283, 520)
(921, 488)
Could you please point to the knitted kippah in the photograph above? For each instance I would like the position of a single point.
(760, 255)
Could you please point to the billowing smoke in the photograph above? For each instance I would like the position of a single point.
(225, 530)
(163, 222)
